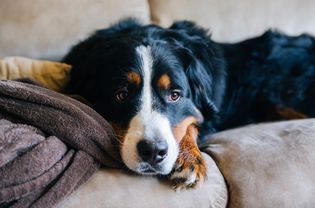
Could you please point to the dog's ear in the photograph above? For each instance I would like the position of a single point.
(204, 66)
(80, 55)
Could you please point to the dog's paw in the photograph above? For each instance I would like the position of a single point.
(190, 168)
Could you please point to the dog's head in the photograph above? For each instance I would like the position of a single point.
(146, 81)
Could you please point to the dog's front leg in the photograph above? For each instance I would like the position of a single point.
(190, 168)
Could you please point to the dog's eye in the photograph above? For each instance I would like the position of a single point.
(121, 95)
(174, 96)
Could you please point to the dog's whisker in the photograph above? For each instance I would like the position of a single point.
(117, 137)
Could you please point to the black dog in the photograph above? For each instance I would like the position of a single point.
(158, 86)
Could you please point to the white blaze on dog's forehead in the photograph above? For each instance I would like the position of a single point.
(147, 63)
(148, 123)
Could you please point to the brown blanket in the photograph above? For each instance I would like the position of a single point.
(49, 145)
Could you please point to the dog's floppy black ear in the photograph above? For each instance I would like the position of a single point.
(79, 55)
(204, 66)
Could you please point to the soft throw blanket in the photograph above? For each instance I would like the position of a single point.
(49, 145)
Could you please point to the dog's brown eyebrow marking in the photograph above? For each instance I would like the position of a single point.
(164, 82)
(134, 78)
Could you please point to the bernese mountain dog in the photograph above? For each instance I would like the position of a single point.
(165, 89)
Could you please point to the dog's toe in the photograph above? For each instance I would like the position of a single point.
(189, 171)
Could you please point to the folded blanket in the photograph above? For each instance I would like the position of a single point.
(49, 145)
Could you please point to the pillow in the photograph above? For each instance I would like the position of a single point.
(268, 165)
(53, 75)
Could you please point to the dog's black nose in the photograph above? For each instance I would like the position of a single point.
(152, 151)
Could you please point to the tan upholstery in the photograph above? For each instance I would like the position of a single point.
(37, 29)
(268, 165)
(231, 20)
(114, 188)
(46, 29)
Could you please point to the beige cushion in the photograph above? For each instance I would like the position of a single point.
(268, 165)
(53, 75)
(232, 20)
(114, 188)
(46, 29)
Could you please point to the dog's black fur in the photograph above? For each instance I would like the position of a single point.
(231, 84)
(273, 70)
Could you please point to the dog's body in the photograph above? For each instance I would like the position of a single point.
(267, 74)
(157, 85)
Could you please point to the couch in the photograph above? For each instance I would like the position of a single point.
(263, 165)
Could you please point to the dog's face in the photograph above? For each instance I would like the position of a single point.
(146, 80)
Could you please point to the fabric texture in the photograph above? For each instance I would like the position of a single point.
(264, 165)
(41, 30)
(268, 165)
(35, 29)
(49, 145)
(53, 75)
(231, 21)
(130, 191)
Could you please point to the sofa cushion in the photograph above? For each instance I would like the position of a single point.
(114, 188)
(238, 19)
(265, 165)
(46, 30)
(268, 165)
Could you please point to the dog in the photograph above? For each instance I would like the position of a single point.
(164, 90)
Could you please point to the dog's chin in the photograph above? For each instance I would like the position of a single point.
(144, 168)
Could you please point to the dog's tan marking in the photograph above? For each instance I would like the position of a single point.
(134, 78)
(180, 129)
(164, 82)
(275, 113)
(190, 168)
(289, 114)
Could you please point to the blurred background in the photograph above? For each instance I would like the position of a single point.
(46, 29)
